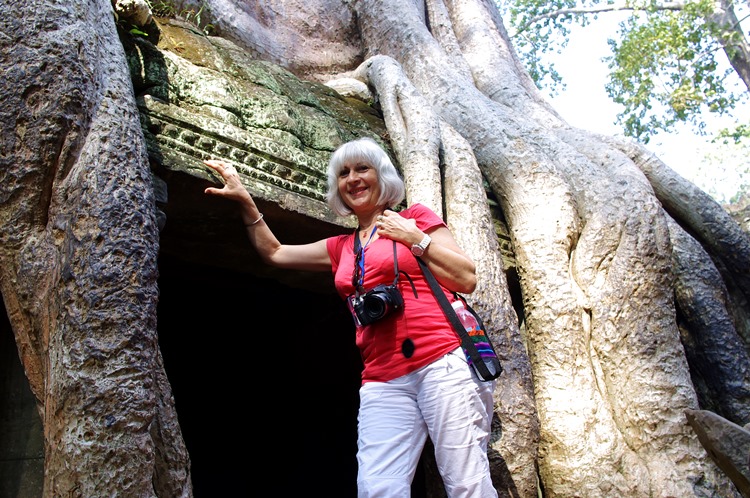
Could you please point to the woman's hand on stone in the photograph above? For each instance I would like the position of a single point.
(233, 188)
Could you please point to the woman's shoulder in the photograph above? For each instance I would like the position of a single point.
(420, 212)
(415, 208)
(338, 240)
(337, 243)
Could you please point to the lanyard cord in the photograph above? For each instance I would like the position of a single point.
(359, 275)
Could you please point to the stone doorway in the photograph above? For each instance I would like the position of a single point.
(265, 379)
(21, 436)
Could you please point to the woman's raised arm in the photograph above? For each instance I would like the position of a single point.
(313, 256)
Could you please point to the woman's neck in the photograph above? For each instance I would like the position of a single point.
(367, 222)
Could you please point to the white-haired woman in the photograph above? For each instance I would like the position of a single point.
(416, 381)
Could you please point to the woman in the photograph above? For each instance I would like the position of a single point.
(416, 381)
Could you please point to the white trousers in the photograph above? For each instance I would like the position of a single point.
(444, 400)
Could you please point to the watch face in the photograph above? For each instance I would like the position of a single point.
(418, 249)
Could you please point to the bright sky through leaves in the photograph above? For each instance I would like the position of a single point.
(716, 169)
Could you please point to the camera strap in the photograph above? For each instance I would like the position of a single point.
(484, 372)
(359, 266)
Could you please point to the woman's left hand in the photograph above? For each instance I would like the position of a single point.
(392, 225)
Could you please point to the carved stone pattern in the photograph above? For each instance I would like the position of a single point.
(254, 155)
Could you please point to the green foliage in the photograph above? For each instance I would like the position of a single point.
(162, 8)
(168, 9)
(663, 66)
(130, 28)
(194, 17)
(664, 70)
(728, 159)
(742, 132)
(537, 33)
(137, 32)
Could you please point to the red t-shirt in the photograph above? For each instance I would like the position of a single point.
(421, 319)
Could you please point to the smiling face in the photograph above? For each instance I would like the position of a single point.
(358, 187)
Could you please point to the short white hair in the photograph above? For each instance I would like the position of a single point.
(364, 150)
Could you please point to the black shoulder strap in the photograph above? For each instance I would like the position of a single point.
(450, 313)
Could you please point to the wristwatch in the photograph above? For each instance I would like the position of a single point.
(418, 249)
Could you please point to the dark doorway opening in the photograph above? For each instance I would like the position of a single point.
(265, 379)
(21, 433)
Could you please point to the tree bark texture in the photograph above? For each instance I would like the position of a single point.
(78, 254)
(635, 286)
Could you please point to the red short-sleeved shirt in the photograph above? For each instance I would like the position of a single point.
(421, 320)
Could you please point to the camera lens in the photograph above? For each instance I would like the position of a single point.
(375, 306)
(376, 303)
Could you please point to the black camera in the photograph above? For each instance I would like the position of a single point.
(377, 303)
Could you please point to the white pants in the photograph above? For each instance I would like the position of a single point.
(446, 401)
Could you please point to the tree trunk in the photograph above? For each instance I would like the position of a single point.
(619, 335)
(732, 37)
(78, 254)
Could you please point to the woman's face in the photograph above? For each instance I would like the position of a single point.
(358, 186)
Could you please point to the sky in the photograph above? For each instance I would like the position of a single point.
(585, 104)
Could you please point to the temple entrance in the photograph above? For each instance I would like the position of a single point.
(21, 435)
(265, 379)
